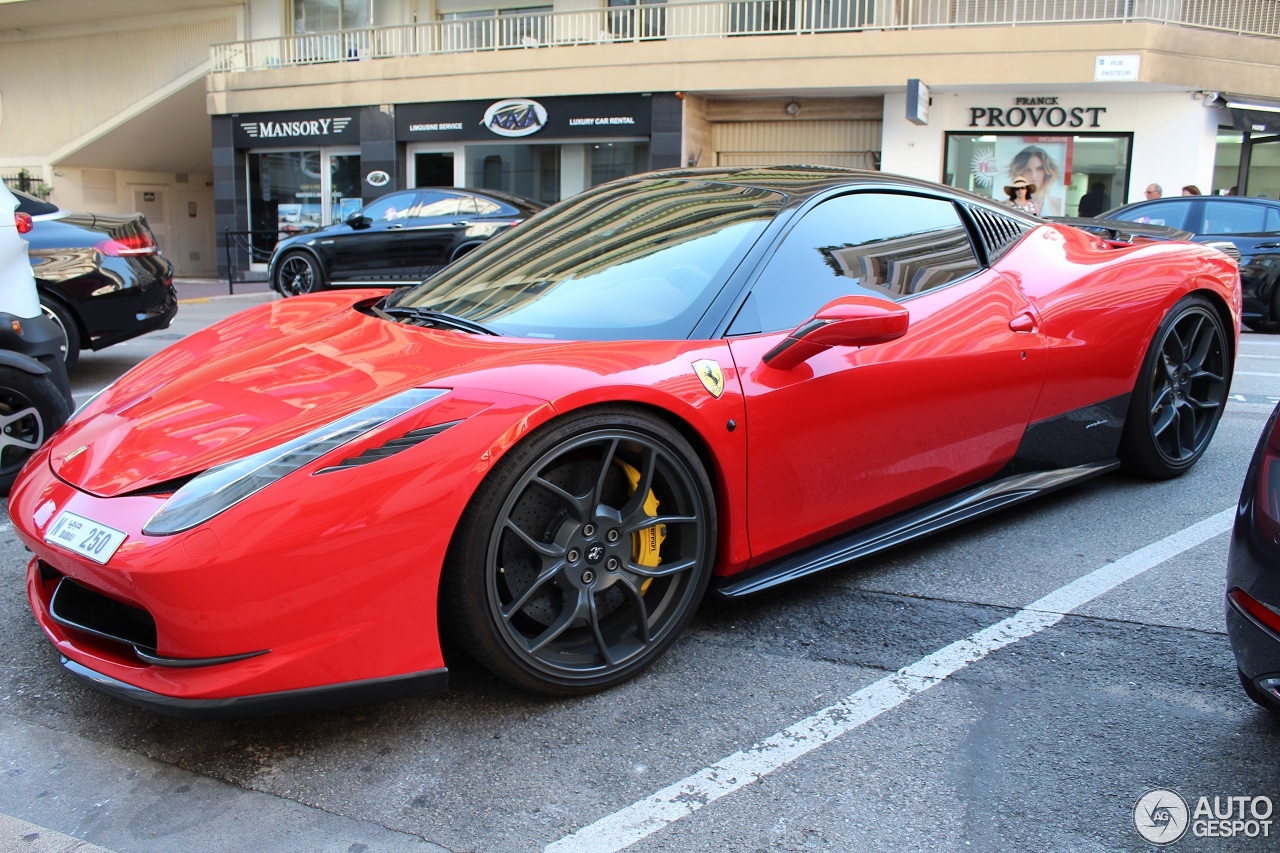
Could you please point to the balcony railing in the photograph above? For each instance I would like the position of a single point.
(731, 18)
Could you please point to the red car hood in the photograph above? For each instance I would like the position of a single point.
(256, 380)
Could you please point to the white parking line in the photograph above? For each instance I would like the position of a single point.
(640, 820)
(1253, 373)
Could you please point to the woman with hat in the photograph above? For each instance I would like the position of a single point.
(1020, 191)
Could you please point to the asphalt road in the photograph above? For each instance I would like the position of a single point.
(936, 698)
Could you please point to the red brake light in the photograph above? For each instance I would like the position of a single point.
(23, 221)
(1264, 614)
(129, 244)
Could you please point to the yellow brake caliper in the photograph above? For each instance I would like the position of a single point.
(646, 544)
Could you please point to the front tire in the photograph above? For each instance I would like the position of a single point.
(583, 555)
(299, 273)
(1181, 390)
(31, 408)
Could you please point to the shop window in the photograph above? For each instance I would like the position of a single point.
(613, 160)
(1065, 169)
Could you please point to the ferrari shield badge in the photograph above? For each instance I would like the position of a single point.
(711, 375)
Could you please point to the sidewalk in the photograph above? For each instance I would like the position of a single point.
(191, 289)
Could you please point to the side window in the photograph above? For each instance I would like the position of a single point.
(1273, 220)
(1224, 217)
(437, 204)
(391, 208)
(880, 244)
(1170, 213)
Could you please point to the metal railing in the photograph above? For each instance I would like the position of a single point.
(245, 248)
(730, 18)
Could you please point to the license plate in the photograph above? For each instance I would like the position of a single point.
(84, 536)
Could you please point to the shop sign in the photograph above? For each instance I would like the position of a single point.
(516, 117)
(573, 117)
(1035, 112)
(265, 130)
(377, 178)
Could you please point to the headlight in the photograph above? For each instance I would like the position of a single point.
(221, 488)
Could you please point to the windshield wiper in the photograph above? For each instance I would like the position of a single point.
(430, 317)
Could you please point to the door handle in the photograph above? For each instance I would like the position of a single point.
(1267, 246)
(394, 227)
(1024, 322)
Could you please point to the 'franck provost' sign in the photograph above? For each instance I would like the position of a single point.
(312, 127)
(553, 118)
(1037, 112)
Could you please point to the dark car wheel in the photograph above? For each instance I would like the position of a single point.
(584, 553)
(31, 408)
(58, 313)
(1181, 390)
(299, 273)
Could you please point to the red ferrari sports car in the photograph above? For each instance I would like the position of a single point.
(684, 380)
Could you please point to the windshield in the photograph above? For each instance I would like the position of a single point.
(623, 261)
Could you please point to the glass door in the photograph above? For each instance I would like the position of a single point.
(340, 183)
(287, 192)
(436, 166)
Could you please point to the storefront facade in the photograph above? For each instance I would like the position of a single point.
(279, 173)
(1072, 144)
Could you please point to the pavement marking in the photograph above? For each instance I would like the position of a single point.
(1252, 373)
(1268, 357)
(16, 834)
(196, 300)
(645, 817)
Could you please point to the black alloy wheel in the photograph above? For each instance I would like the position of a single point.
(1180, 394)
(584, 554)
(31, 408)
(299, 273)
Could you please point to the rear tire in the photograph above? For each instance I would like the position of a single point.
(1181, 390)
(299, 273)
(583, 554)
(31, 409)
(58, 313)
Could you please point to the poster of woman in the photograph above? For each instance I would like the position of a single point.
(1039, 161)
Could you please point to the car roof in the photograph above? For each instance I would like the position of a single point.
(798, 182)
(1192, 199)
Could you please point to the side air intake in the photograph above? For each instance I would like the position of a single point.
(996, 232)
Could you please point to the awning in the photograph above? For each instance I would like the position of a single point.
(1256, 115)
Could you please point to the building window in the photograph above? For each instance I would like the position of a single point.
(325, 16)
(524, 27)
(644, 19)
(1063, 168)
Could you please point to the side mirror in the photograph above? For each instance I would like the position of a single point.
(358, 220)
(850, 321)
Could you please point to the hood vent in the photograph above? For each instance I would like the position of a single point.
(391, 448)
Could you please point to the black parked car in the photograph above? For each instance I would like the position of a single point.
(100, 277)
(401, 238)
(1251, 224)
(1253, 573)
